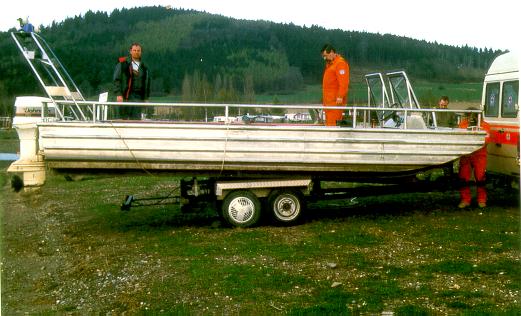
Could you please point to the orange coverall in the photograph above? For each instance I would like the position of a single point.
(477, 161)
(335, 84)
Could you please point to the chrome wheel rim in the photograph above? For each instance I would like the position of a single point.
(286, 207)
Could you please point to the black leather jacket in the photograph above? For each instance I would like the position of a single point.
(126, 84)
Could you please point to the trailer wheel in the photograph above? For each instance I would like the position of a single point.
(241, 209)
(286, 205)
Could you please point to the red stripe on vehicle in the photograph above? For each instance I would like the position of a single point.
(504, 135)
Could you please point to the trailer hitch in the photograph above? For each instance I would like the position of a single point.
(132, 201)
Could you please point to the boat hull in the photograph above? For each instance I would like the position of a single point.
(264, 149)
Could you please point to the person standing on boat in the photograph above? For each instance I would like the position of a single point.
(131, 82)
(445, 119)
(477, 162)
(335, 84)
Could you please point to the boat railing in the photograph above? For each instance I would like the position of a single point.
(356, 116)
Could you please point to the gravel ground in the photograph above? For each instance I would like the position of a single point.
(53, 259)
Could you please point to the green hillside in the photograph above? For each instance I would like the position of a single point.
(196, 56)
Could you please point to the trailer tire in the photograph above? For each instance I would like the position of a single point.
(241, 209)
(286, 206)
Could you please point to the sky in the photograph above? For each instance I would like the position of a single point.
(453, 22)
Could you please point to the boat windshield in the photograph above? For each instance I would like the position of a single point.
(377, 93)
(401, 90)
(377, 90)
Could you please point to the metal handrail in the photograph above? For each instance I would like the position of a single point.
(226, 106)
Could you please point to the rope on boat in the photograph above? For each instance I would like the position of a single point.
(130, 151)
(225, 144)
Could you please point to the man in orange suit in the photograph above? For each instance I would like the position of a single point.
(335, 84)
(474, 163)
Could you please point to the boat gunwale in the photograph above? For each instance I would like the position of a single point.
(336, 152)
(255, 126)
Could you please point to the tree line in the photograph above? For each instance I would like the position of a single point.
(206, 57)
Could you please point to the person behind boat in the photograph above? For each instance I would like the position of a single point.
(473, 163)
(445, 119)
(335, 84)
(131, 82)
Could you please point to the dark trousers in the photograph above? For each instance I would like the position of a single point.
(131, 112)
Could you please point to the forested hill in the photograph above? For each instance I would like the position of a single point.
(229, 59)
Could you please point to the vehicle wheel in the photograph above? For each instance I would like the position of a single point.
(241, 209)
(286, 206)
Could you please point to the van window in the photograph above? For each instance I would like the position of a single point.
(509, 103)
(492, 99)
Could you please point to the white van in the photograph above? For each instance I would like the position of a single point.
(500, 105)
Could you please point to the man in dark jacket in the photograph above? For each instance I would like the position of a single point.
(445, 119)
(131, 83)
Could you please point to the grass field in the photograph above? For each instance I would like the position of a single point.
(67, 248)
(428, 94)
(9, 141)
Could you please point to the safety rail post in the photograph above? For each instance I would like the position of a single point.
(354, 116)
(226, 112)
